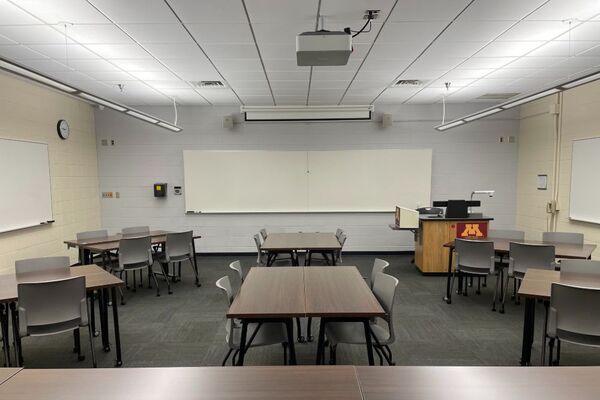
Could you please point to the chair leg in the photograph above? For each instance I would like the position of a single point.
(92, 350)
(333, 354)
(517, 286)
(226, 357)
(452, 284)
(557, 363)
(179, 272)
(496, 291)
(478, 285)
(504, 294)
(389, 352)
(378, 351)
(484, 284)
(301, 338)
(285, 353)
(233, 359)
(550, 351)
(195, 269)
(156, 283)
(141, 279)
(164, 272)
(309, 337)
(514, 295)
(77, 336)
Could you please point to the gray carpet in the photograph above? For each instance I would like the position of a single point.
(187, 328)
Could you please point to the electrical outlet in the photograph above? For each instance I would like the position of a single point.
(107, 195)
(501, 139)
(112, 142)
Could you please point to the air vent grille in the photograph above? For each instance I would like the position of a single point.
(209, 84)
(497, 96)
(409, 82)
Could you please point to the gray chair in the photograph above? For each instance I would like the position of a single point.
(523, 256)
(263, 234)
(589, 267)
(52, 307)
(88, 235)
(563, 237)
(261, 334)
(379, 266)
(384, 289)
(338, 254)
(476, 258)
(179, 247)
(259, 252)
(135, 254)
(41, 264)
(573, 317)
(135, 231)
(507, 234)
(237, 267)
(338, 233)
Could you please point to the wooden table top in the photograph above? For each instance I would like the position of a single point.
(561, 250)
(193, 383)
(270, 293)
(111, 238)
(95, 278)
(7, 373)
(338, 292)
(537, 283)
(115, 244)
(469, 383)
(301, 241)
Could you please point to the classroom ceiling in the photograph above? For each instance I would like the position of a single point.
(153, 52)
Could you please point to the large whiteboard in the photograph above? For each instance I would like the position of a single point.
(306, 181)
(584, 203)
(25, 181)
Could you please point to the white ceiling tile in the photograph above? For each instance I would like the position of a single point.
(501, 10)
(559, 48)
(560, 10)
(253, 92)
(136, 11)
(508, 49)
(110, 75)
(221, 33)
(395, 51)
(98, 34)
(92, 65)
(60, 11)
(35, 34)
(138, 65)
(290, 100)
(147, 76)
(353, 10)
(183, 94)
(231, 50)
(467, 74)
(278, 51)
(19, 52)
(257, 100)
(465, 30)
(486, 62)
(456, 83)
(188, 50)
(157, 33)
(329, 84)
(372, 92)
(385, 65)
(220, 96)
(416, 32)
(286, 10)
(257, 83)
(301, 75)
(62, 52)
(490, 84)
(280, 32)
(358, 100)
(241, 75)
(319, 75)
(535, 62)
(238, 64)
(446, 49)
(122, 51)
(584, 31)
(209, 11)
(5, 40)
(299, 91)
(513, 73)
(535, 30)
(274, 64)
(13, 15)
(46, 65)
(592, 52)
(198, 74)
(427, 10)
(169, 84)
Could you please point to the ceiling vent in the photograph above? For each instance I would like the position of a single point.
(209, 84)
(409, 83)
(497, 96)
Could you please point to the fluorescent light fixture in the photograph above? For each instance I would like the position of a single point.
(141, 116)
(482, 114)
(581, 81)
(24, 72)
(307, 113)
(449, 125)
(529, 98)
(103, 102)
(169, 126)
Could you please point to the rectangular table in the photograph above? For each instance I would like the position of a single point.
(284, 293)
(7, 373)
(536, 285)
(317, 242)
(502, 247)
(96, 279)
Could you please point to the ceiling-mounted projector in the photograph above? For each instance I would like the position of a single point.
(323, 48)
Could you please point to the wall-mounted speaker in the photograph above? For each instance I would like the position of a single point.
(228, 122)
(386, 120)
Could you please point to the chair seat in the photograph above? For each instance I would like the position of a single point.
(132, 267)
(51, 329)
(268, 334)
(161, 257)
(474, 270)
(354, 333)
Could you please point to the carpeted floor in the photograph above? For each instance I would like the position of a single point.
(187, 328)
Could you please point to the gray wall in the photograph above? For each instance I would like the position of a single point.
(464, 159)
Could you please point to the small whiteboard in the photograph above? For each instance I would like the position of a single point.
(584, 204)
(26, 199)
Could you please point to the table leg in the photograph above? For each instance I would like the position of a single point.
(448, 297)
(289, 324)
(198, 284)
(544, 332)
(333, 257)
(103, 306)
(528, 328)
(301, 338)
(321, 342)
(242, 353)
(368, 341)
(16, 335)
(5, 338)
(113, 292)
(92, 300)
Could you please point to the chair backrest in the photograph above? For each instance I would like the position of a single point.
(338, 233)
(237, 266)
(591, 267)
(523, 256)
(384, 289)
(475, 254)
(99, 234)
(577, 311)
(135, 251)
(510, 234)
(563, 237)
(257, 242)
(179, 245)
(429, 210)
(41, 264)
(379, 266)
(263, 233)
(135, 231)
(224, 284)
(52, 304)
(342, 239)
